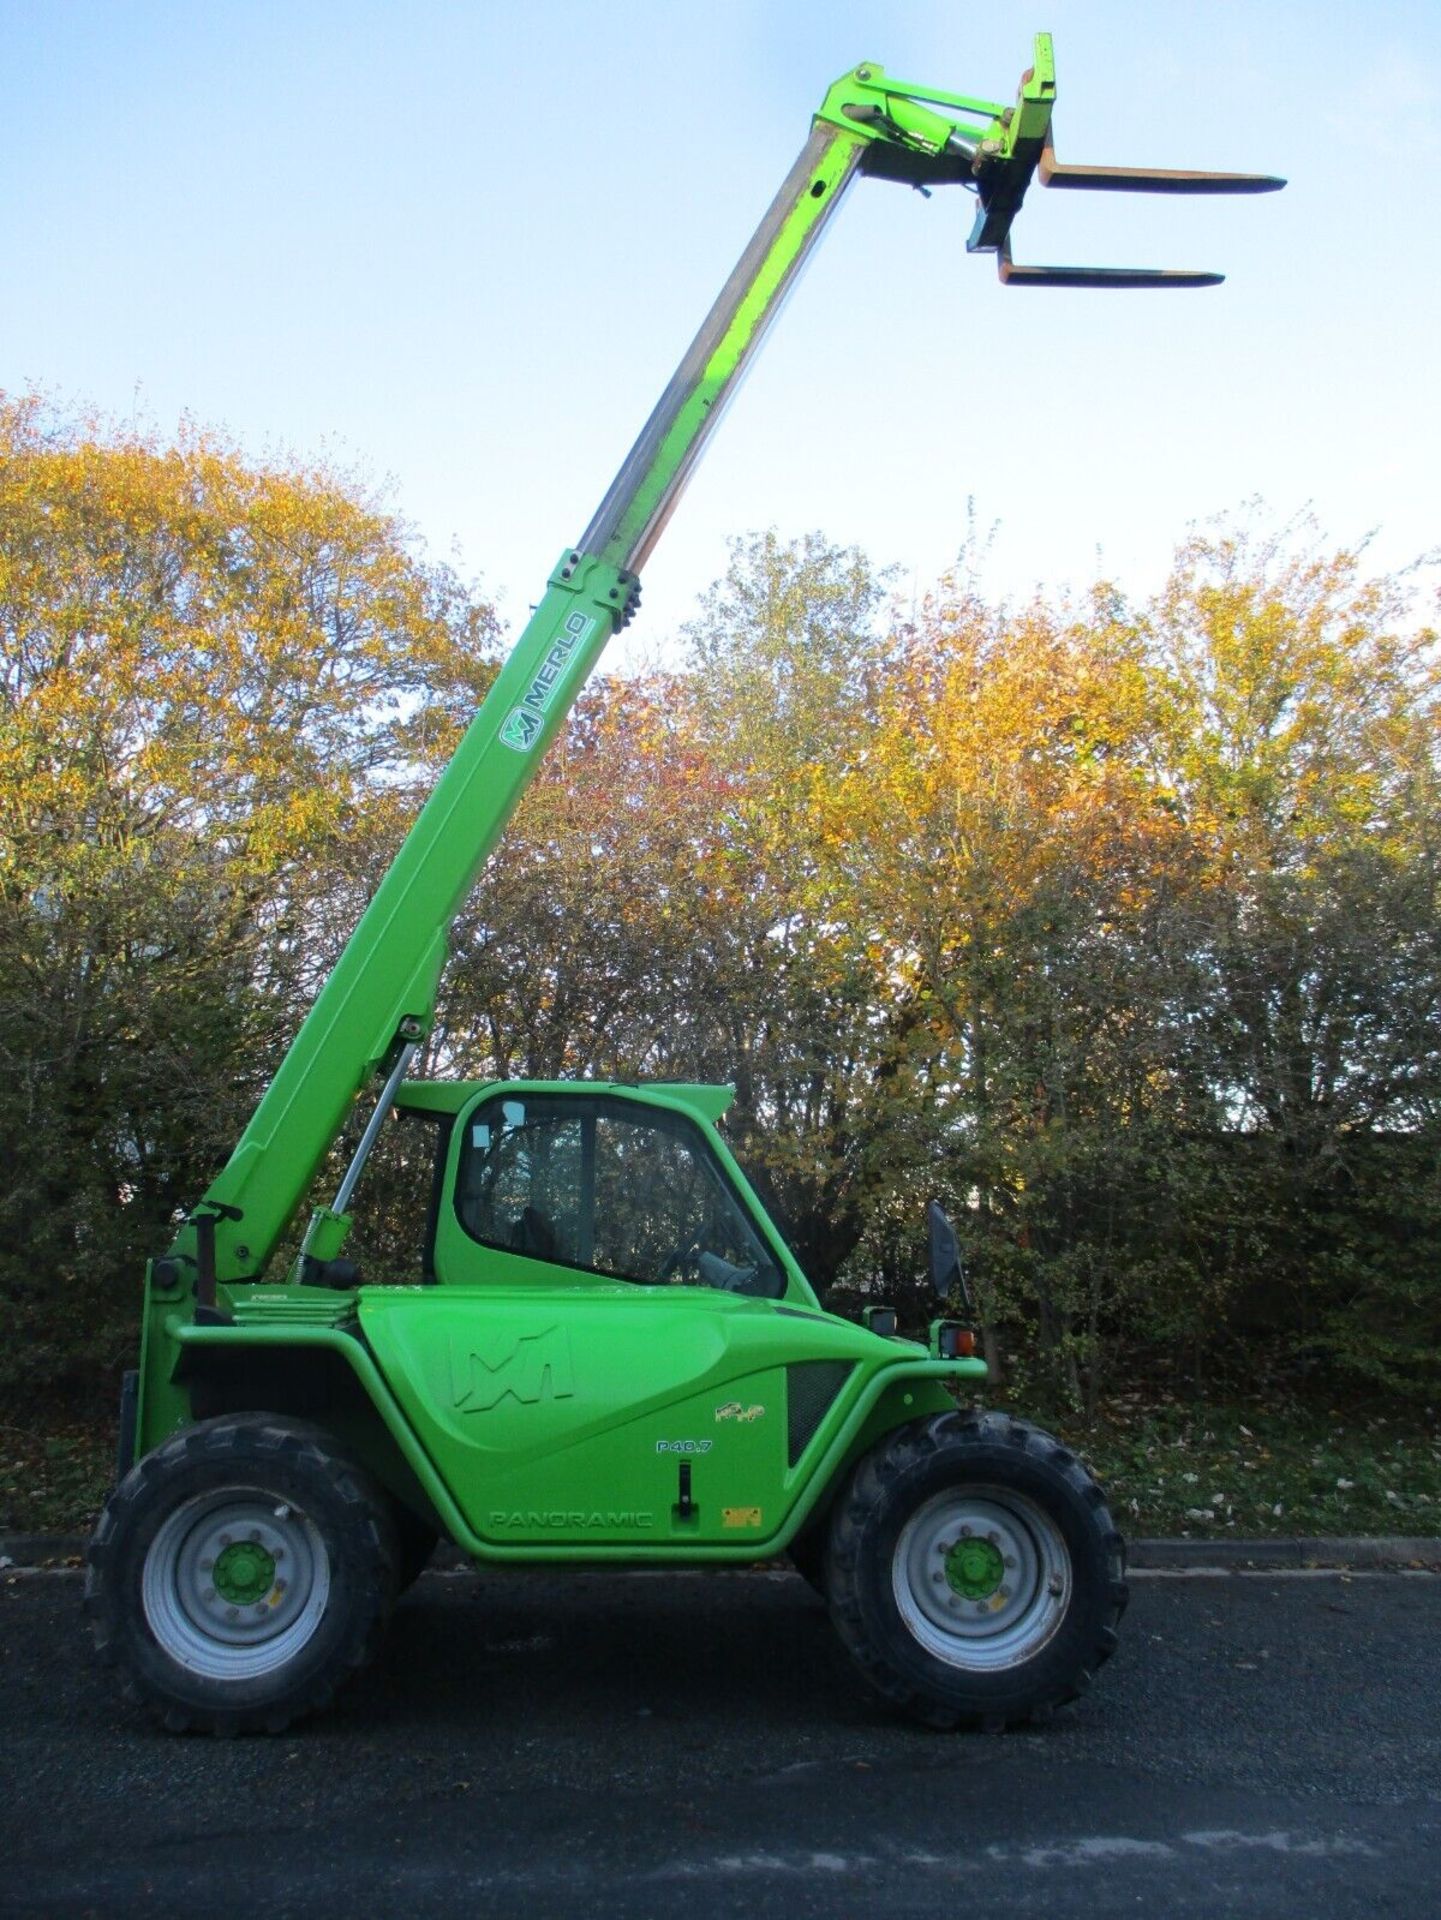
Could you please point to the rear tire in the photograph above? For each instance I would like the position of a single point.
(975, 1575)
(239, 1574)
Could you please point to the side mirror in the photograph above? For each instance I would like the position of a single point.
(947, 1273)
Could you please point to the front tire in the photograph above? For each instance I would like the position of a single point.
(239, 1574)
(975, 1575)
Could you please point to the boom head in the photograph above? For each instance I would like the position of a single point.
(996, 151)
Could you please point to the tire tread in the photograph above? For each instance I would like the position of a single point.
(900, 1454)
(235, 1436)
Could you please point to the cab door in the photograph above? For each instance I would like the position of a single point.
(599, 1365)
(599, 1186)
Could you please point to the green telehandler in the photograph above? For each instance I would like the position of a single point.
(613, 1356)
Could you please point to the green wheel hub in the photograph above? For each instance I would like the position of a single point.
(244, 1573)
(981, 1576)
(236, 1582)
(974, 1568)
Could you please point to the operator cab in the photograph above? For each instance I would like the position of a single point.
(605, 1183)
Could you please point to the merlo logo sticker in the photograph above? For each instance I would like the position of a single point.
(522, 724)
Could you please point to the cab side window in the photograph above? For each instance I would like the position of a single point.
(629, 1192)
(520, 1181)
(655, 1198)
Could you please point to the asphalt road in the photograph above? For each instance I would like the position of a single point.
(610, 1745)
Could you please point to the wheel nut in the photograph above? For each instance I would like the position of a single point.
(993, 1536)
(1003, 1593)
(210, 1593)
(206, 1565)
(255, 1533)
(232, 1613)
(965, 1533)
(225, 1539)
(1053, 1586)
(1010, 1559)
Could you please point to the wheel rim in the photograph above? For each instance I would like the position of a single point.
(981, 1577)
(235, 1583)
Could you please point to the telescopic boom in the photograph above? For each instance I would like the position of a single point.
(377, 1006)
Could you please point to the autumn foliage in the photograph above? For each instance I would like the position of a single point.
(1114, 924)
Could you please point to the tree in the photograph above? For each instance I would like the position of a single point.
(1300, 730)
(789, 652)
(653, 910)
(1011, 879)
(1116, 927)
(215, 680)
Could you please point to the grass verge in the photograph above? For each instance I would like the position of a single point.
(1170, 1467)
(54, 1478)
(1213, 1471)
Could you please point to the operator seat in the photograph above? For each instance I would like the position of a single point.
(533, 1234)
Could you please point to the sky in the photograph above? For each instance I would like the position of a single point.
(458, 248)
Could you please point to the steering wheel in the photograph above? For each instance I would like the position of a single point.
(760, 1282)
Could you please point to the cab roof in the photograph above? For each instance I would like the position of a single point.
(449, 1096)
